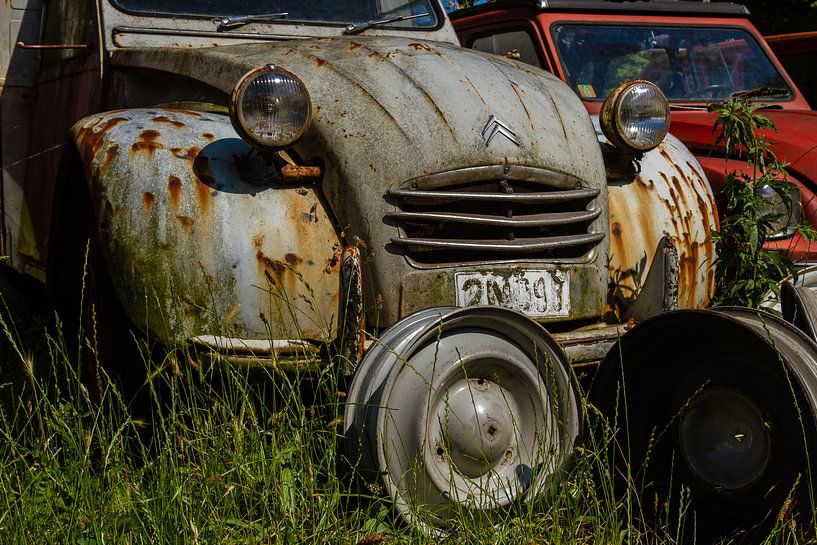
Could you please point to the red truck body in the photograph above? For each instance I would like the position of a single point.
(530, 31)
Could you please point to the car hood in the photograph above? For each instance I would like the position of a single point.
(433, 99)
(794, 141)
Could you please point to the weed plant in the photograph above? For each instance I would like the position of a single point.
(746, 270)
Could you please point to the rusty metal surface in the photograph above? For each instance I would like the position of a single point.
(385, 114)
(195, 250)
(668, 197)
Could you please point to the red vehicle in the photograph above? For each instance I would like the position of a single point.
(798, 53)
(697, 52)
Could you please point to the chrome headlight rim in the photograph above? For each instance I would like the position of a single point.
(237, 114)
(612, 123)
(788, 219)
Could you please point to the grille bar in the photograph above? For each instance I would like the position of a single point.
(533, 220)
(439, 197)
(494, 213)
(518, 173)
(528, 245)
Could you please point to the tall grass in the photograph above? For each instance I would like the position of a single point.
(236, 455)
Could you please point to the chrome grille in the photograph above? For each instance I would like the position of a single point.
(494, 213)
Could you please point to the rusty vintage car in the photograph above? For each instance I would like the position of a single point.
(289, 183)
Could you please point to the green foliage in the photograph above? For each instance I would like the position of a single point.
(745, 270)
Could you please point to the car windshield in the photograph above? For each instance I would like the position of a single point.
(315, 11)
(688, 63)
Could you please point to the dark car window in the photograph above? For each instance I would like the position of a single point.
(514, 44)
(688, 63)
(319, 11)
(802, 67)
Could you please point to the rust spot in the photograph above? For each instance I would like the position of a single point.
(90, 141)
(111, 123)
(270, 264)
(424, 47)
(186, 221)
(208, 136)
(174, 187)
(165, 119)
(147, 142)
(148, 199)
(293, 259)
(149, 134)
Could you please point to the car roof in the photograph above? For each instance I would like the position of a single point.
(685, 7)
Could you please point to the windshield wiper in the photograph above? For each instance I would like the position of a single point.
(357, 28)
(761, 92)
(229, 23)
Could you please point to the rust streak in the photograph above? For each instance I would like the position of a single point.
(174, 187)
(204, 195)
(110, 154)
(148, 199)
(165, 119)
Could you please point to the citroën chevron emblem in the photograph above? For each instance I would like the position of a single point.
(497, 126)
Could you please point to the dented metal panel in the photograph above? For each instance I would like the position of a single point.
(194, 249)
(668, 196)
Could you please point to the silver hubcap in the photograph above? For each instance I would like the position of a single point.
(463, 408)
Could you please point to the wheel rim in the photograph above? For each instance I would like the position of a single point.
(475, 412)
(725, 439)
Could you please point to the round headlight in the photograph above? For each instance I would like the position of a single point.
(635, 116)
(270, 107)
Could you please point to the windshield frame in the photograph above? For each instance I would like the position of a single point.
(439, 16)
(772, 60)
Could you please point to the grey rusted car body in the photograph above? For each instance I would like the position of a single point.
(198, 249)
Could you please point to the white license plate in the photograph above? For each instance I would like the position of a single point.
(535, 293)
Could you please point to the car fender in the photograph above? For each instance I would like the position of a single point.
(665, 195)
(194, 248)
